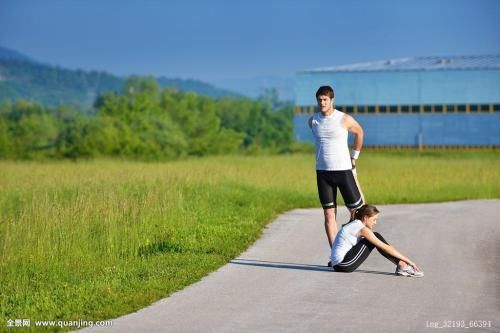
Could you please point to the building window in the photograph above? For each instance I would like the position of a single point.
(430, 108)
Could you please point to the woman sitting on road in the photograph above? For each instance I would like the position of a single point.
(356, 240)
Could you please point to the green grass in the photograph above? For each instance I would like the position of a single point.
(94, 240)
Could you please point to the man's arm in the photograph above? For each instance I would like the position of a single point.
(354, 127)
(310, 122)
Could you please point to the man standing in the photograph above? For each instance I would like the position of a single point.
(335, 167)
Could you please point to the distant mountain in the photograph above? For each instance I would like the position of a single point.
(24, 78)
(256, 86)
(8, 54)
(199, 87)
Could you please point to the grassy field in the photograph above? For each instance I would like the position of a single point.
(94, 240)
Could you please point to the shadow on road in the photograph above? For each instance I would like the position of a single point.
(274, 264)
(374, 272)
(305, 267)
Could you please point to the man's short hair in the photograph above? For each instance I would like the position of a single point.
(325, 90)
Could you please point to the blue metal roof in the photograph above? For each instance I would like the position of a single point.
(419, 64)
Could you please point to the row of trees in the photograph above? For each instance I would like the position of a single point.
(145, 122)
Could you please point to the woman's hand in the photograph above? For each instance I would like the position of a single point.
(412, 264)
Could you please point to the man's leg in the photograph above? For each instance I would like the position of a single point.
(330, 224)
(351, 213)
(327, 192)
(351, 192)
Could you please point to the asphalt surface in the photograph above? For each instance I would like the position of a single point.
(282, 284)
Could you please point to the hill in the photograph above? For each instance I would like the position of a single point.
(24, 78)
(8, 54)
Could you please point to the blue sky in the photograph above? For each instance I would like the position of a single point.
(229, 41)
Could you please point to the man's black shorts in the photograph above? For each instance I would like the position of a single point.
(329, 181)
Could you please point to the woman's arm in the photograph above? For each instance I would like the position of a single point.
(370, 236)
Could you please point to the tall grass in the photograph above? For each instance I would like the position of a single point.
(97, 239)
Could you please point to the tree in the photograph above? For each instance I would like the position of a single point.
(144, 122)
(33, 129)
(6, 142)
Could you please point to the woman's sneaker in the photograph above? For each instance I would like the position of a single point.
(408, 271)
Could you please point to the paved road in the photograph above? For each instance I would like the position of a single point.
(281, 283)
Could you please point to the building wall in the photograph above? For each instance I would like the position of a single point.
(410, 108)
(480, 129)
(402, 87)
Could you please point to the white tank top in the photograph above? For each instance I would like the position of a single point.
(330, 139)
(346, 238)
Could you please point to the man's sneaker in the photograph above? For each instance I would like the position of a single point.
(408, 271)
(329, 264)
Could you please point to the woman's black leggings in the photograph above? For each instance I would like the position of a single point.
(359, 253)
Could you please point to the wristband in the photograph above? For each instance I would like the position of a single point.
(355, 154)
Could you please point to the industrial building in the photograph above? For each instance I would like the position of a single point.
(409, 102)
